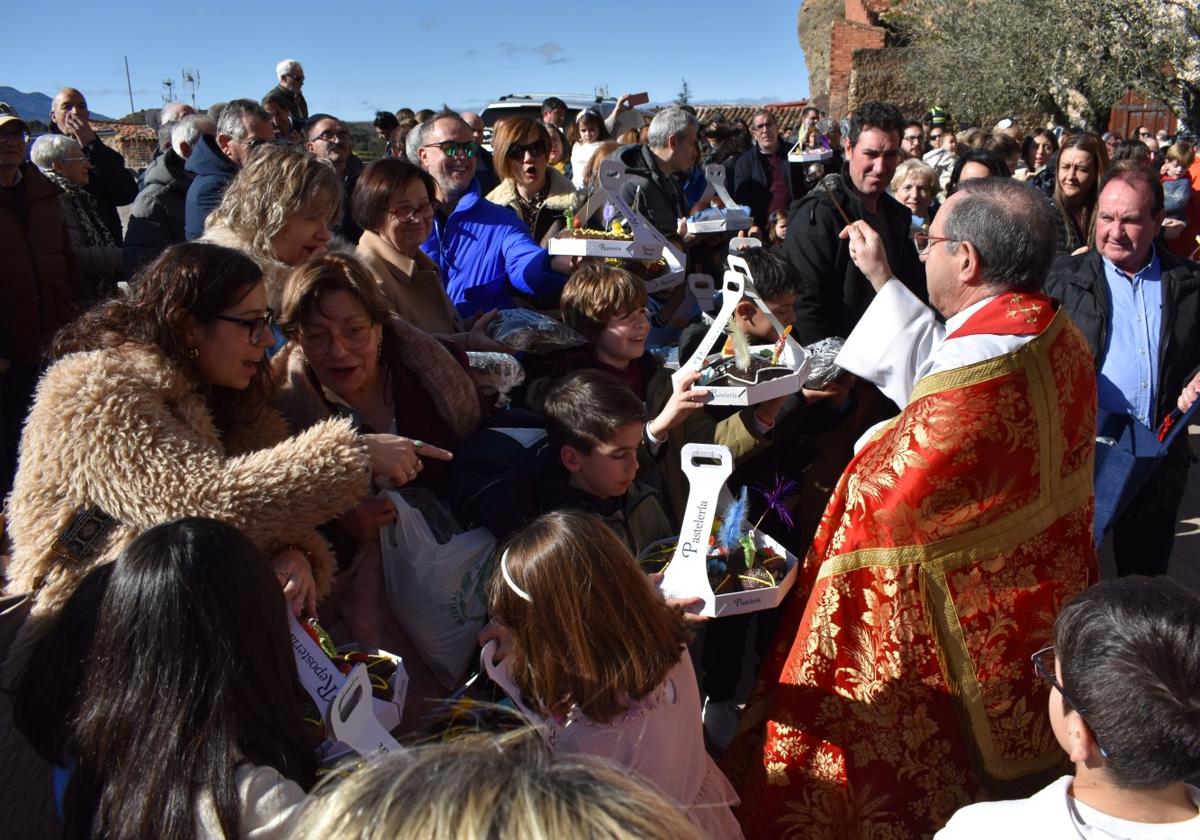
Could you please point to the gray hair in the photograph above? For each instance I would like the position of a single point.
(51, 147)
(188, 130)
(230, 122)
(1011, 225)
(173, 111)
(286, 66)
(668, 123)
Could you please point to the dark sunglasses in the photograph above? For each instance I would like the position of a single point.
(256, 326)
(1043, 667)
(537, 148)
(451, 148)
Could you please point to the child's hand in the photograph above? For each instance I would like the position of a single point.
(836, 391)
(684, 605)
(502, 636)
(684, 400)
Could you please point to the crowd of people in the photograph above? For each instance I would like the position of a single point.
(229, 404)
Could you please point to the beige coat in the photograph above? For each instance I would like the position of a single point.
(551, 217)
(130, 432)
(413, 287)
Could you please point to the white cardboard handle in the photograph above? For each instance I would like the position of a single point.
(687, 575)
(352, 718)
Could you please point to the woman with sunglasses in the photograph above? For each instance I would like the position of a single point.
(536, 191)
(278, 211)
(156, 406)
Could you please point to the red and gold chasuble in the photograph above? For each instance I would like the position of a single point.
(900, 686)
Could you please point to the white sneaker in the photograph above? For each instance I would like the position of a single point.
(721, 722)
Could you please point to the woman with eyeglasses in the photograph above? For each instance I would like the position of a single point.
(394, 205)
(60, 158)
(156, 406)
(349, 356)
(278, 211)
(537, 192)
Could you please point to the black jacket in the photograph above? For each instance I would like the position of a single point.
(1080, 284)
(835, 293)
(157, 217)
(650, 191)
(297, 105)
(752, 187)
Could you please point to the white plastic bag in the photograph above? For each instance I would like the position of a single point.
(437, 590)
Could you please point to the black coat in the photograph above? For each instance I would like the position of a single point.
(157, 217)
(752, 187)
(650, 191)
(835, 293)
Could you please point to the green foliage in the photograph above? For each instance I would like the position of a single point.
(1065, 58)
(685, 94)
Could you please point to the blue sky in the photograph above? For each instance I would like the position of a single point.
(363, 56)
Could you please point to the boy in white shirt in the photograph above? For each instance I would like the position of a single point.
(1124, 676)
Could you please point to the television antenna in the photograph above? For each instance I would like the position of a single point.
(168, 91)
(191, 81)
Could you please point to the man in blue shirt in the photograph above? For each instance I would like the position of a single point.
(483, 250)
(1139, 308)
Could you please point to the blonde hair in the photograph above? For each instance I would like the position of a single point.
(597, 292)
(614, 638)
(914, 166)
(276, 183)
(480, 787)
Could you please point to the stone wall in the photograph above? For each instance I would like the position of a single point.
(830, 32)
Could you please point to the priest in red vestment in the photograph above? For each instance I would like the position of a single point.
(900, 687)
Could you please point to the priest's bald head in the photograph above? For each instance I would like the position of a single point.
(993, 235)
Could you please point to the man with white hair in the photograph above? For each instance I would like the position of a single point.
(291, 80)
(109, 182)
(650, 186)
(215, 160)
(158, 214)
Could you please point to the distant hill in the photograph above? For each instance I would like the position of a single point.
(33, 106)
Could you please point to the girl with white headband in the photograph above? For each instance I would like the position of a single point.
(598, 662)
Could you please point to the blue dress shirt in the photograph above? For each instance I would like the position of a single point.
(1128, 380)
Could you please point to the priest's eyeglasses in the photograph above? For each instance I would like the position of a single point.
(924, 240)
(1043, 667)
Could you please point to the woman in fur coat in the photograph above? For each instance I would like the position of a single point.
(536, 191)
(157, 406)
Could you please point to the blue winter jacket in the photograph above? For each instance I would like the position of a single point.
(213, 173)
(485, 253)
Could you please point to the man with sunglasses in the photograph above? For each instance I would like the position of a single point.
(216, 160)
(957, 528)
(291, 80)
(484, 251)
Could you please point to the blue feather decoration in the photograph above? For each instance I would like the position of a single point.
(734, 522)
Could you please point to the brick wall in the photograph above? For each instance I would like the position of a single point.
(845, 38)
